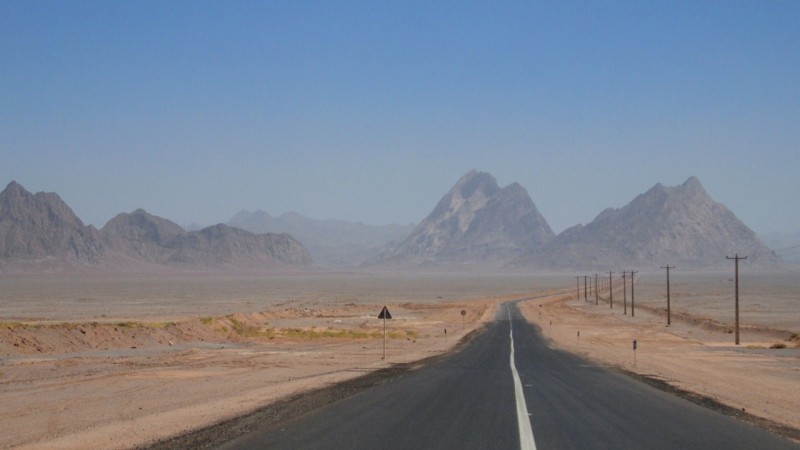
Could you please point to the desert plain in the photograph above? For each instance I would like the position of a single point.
(121, 361)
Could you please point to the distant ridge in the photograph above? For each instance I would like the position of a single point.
(330, 242)
(143, 236)
(675, 225)
(39, 232)
(476, 222)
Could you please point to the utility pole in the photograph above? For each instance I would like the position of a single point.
(633, 307)
(585, 289)
(578, 286)
(610, 290)
(669, 315)
(737, 258)
(624, 294)
(596, 295)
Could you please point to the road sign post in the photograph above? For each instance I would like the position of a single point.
(385, 314)
(463, 314)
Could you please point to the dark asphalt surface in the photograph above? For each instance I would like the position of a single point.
(467, 401)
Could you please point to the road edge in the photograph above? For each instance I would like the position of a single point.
(780, 429)
(298, 404)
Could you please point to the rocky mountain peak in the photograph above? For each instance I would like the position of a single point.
(476, 222)
(14, 188)
(143, 227)
(469, 194)
(677, 225)
(41, 225)
(692, 183)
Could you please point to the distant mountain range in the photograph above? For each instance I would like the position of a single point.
(331, 242)
(39, 232)
(476, 223)
(479, 223)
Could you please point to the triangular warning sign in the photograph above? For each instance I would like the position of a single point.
(385, 314)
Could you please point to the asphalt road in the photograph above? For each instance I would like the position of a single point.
(470, 401)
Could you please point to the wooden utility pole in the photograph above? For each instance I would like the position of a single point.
(585, 289)
(669, 312)
(596, 295)
(624, 294)
(633, 305)
(610, 290)
(578, 286)
(736, 258)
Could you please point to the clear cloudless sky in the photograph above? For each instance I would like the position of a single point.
(370, 110)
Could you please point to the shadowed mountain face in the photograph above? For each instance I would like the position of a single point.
(665, 225)
(477, 222)
(40, 232)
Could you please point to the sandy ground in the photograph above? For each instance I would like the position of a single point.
(99, 362)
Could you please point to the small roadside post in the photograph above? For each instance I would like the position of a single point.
(385, 314)
(463, 314)
(579, 338)
(634, 352)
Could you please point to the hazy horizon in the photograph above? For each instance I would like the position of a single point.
(370, 112)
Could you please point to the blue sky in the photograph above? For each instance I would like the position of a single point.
(371, 111)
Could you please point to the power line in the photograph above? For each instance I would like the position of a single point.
(788, 248)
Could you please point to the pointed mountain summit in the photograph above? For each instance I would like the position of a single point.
(476, 222)
(42, 228)
(676, 225)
